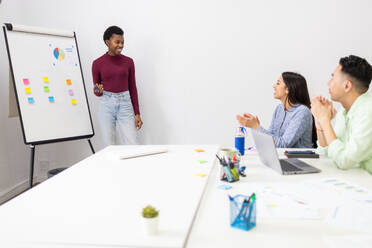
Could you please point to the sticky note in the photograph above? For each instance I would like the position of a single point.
(73, 101)
(30, 100)
(51, 98)
(46, 88)
(199, 150)
(28, 90)
(26, 81)
(71, 92)
(200, 175)
(203, 161)
(46, 79)
(68, 81)
(224, 187)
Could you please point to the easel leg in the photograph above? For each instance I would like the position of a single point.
(91, 146)
(32, 165)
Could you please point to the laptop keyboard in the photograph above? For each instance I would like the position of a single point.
(286, 166)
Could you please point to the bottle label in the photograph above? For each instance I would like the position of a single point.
(239, 144)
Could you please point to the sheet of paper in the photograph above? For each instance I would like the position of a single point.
(332, 192)
(353, 216)
(360, 241)
(280, 200)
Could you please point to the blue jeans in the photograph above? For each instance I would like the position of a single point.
(116, 108)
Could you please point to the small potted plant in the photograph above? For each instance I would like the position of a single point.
(150, 219)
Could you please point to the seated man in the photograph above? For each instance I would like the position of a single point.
(349, 143)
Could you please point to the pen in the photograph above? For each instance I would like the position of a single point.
(220, 159)
(252, 198)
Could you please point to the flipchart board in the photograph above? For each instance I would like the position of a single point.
(48, 83)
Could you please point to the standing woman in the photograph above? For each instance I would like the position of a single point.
(292, 124)
(115, 84)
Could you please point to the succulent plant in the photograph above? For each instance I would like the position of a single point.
(149, 212)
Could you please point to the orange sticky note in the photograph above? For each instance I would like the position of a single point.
(199, 150)
(68, 81)
(73, 101)
(46, 79)
(28, 90)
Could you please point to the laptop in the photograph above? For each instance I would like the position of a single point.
(269, 157)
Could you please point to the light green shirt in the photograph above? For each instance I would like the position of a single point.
(353, 128)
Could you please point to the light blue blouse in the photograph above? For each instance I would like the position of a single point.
(291, 128)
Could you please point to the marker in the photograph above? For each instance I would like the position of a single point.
(235, 173)
(229, 176)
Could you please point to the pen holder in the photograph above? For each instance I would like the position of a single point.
(243, 212)
(229, 164)
(229, 173)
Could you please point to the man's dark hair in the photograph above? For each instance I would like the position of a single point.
(110, 31)
(359, 70)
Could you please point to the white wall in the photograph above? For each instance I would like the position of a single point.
(198, 63)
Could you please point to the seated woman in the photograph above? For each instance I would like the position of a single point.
(292, 124)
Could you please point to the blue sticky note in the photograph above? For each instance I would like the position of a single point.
(51, 98)
(224, 187)
(30, 100)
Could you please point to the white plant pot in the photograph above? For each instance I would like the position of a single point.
(151, 225)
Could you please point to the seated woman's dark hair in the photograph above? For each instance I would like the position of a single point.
(298, 94)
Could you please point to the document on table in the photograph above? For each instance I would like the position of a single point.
(360, 241)
(335, 191)
(353, 216)
(280, 200)
(304, 200)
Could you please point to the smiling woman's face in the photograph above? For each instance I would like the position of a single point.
(280, 89)
(115, 44)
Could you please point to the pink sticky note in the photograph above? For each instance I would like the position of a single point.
(71, 92)
(26, 81)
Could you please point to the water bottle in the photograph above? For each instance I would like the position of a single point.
(239, 140)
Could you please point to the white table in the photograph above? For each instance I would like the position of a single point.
(97, 203)
(212, 227)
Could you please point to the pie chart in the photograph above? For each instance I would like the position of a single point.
(59, 54)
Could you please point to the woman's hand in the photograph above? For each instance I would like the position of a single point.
(248, 120)
(98, 89)
(139, 122)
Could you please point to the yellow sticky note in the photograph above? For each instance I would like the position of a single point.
(46, 79)
(73, 101)
(28, 90)
(200, 175)
(68, 81)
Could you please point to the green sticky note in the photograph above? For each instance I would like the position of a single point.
(46, 89)
(202, 161)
